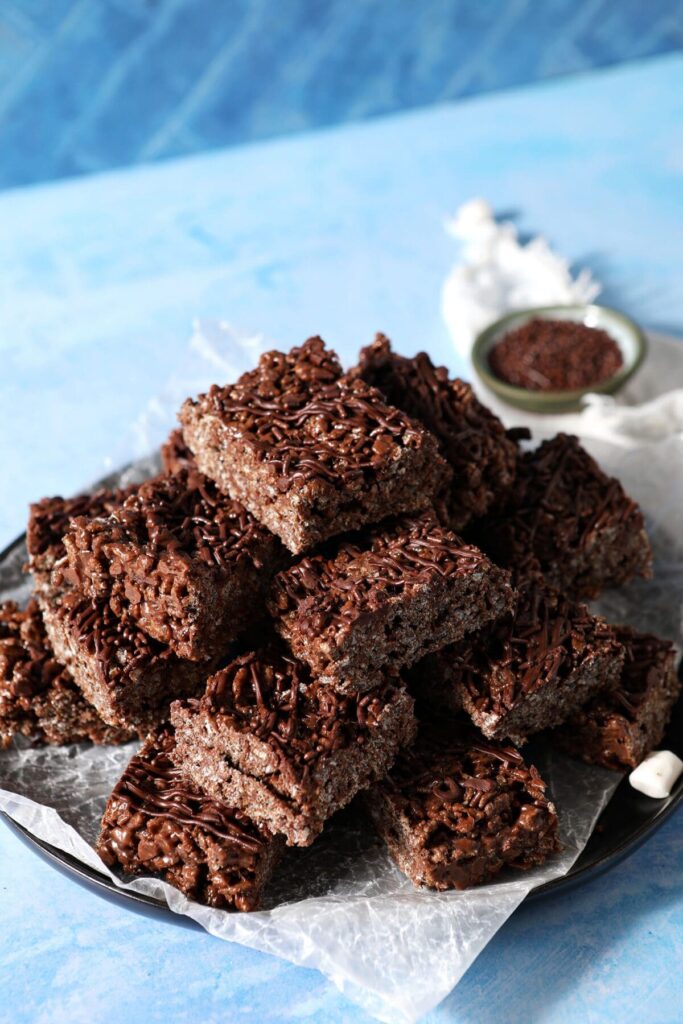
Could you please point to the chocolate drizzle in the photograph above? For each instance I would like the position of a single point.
(118, 645)
(154, 786)
(560, 504)
(349, 579)
(298, 414)
(472, 440)
(50, 518)
(183, 514)
(648, 660)
(464, 785)
(271, 696)
(543, 641)
(27, 664)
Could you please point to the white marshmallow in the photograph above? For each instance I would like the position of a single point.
(657, 774)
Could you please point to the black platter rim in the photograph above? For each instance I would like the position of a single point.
(628, 820)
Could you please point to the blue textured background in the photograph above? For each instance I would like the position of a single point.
(608, 953)
(338, 232)
(91, 84)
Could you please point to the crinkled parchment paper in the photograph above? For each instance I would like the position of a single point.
(341, 906)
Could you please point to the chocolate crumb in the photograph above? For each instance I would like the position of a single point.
(555, 355)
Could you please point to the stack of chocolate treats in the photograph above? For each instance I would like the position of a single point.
(287, 618)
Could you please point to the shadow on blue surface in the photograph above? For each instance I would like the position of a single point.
(548, 954)
(88, 85)
(598, 954)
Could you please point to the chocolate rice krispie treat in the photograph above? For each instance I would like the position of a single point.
(49, 519)
(471, 439)
(175, 455)
(181, 559)
(38, 697)
(130, 678)
(617, 729)
(455, 810)
(382, 600)
(286, 750)
(586, 533)
(527, 672)
(157, 823)
(311, 455)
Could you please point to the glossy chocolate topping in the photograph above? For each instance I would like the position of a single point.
(309, 425)
(27, 665)
(185, 514)
(293, 376)
(117, 643)
(359, 575)
(153, 785)
(270, 695)
(543, 641)
(464, 784)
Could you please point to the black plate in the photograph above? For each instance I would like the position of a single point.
(628, 820)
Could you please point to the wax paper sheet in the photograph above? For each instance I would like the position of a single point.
(341, 906)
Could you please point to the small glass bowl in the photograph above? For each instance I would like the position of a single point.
(628, 336)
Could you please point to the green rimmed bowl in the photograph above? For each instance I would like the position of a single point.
(627, 334)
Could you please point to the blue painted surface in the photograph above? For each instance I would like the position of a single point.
(91, 84)
(339, 233)
(609, 951)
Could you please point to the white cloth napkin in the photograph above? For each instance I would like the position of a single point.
(496, 274)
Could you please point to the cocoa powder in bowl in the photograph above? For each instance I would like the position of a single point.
(555, 355)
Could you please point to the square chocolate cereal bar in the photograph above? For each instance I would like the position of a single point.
(455, 810)
(382, 600)
(529, 671)
(286, 750)
(188, 564)
(311, 454)
(619, 728)
(38, 697)
(472, 440)
(130, 678)
(157, 823)
(586, 533)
